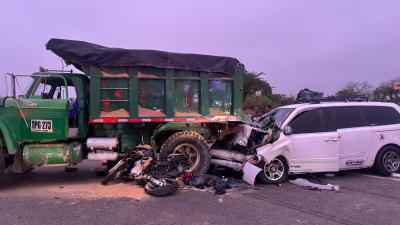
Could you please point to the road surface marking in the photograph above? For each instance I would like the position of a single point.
(378, 177)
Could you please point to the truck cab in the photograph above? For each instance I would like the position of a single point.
(70, 90)
(47, 123)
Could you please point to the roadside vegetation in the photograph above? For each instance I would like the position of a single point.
(253, 83)
(258, 92)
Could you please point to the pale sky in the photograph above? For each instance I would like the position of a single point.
(319, 44)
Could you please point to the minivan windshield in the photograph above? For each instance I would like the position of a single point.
(277, 115)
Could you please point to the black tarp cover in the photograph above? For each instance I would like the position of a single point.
(80, 53)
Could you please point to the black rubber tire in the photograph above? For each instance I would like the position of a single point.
(379, 164)
(261, 177)
(193, 138)
(170, 188)
(111, 174)
(2, 163)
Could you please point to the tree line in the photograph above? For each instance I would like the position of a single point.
(255, 84)
(384, 92)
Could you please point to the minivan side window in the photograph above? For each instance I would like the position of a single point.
(380, 115)
(307, 122)
(347, 116)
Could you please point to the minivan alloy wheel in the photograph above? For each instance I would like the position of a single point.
(275, 169)
(391, 161)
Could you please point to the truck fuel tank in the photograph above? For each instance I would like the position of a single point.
(52, 154)
(104, 143)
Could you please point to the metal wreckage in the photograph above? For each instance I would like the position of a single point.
(145, 112)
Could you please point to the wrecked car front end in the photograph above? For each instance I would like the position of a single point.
(254, 145)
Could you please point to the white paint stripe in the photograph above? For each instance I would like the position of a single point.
(146, 120)
(123, 120)
(169, 120)
(378, 177)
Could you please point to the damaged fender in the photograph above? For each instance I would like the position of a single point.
(269, 152)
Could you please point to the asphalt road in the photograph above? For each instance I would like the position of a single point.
(51, 196)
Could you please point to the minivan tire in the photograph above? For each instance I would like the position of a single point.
(265, 175)
(387, 160)
(194, 142)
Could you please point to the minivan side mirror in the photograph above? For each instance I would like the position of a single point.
(288, 130)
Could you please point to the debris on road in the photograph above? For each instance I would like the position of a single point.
(313, 186)
(396, 175)
(250, 173)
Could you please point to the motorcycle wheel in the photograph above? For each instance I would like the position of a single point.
(113, 171)
(169, 188)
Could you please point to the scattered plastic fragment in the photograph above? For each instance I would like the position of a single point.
(312, 186)
(396, 175)
(250, 173)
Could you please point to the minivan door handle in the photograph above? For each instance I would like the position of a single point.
(333, 139)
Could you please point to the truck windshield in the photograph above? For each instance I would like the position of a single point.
(49, 88)
(278, 115)
(22, 85)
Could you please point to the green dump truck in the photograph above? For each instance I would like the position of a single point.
(177, 103)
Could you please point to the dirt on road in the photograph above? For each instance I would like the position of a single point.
(54, 181)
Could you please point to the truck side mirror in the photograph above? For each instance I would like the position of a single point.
(288, 130)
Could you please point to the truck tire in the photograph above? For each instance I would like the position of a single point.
(193, 145)
(170, 187)
(275, 172)
(387, 160)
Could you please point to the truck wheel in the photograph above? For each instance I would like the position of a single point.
(387, 161)
(274, 172)
(193, 145)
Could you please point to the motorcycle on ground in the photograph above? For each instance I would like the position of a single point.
(140, 165)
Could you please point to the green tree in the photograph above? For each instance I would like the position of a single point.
(254, 82)
(279, 99)
(386, 92)
(353, 89)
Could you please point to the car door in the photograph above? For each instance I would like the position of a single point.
(354, 136)
(313, 146)
(384, 124)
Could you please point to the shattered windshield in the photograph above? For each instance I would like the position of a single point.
(277, 115)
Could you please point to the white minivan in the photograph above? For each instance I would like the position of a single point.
(332, 136)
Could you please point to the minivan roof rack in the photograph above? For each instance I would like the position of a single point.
(356, 98)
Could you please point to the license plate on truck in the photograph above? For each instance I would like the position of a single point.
(42, 126)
